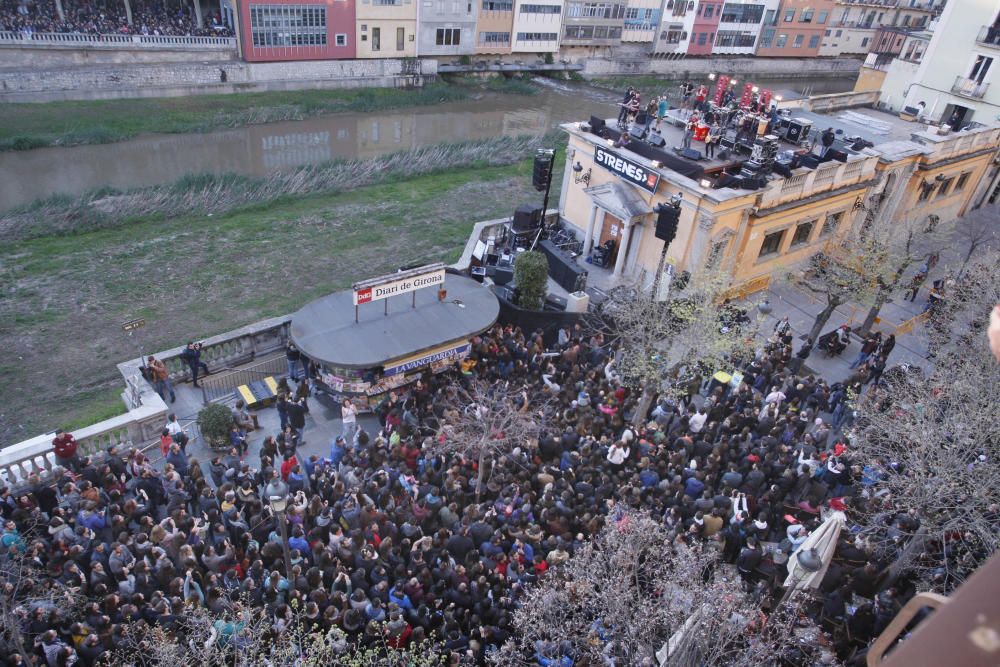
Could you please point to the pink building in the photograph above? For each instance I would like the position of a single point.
(272, 30)
(706, 24)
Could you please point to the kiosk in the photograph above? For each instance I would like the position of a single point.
(364, 348)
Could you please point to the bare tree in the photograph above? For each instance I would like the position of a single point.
(483, 421)
(26, 587)
(975, 230)
(932, 443)
(248, 636)
(635, 595)
(691, 328)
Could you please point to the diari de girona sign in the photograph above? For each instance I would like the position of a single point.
(393, 285)
(633, 172)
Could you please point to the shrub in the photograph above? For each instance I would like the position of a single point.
(215, 420)
(531, 273)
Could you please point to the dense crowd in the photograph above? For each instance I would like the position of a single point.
(389, 543)
(153, 18)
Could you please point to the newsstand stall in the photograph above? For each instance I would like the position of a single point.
(364, 349)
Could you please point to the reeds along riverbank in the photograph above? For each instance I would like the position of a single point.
(28, 126)
(217, 194)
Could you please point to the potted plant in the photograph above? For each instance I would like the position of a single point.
(215, 420)
(531, 274)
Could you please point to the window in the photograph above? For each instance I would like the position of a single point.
(702, 36)
(802, 232)
(797, 43)
(734, 38)
(386, 3)
(400, 38)
(980, 68)
(537, 36)
(826, 33)
(925, 191)
(864, 42)
(806, 16)
(494, 38)
(541, 9)
(962, 180)
(789, 15)
(448, 37)
(831, 223)
(376, 39)
(288, 25)
(766, 38)
(340, 39)
(598, 10)
(708, 11)
(839, 33)
(742, 13)
(814, 41)
(943, 190)
(771, 244)
(781, 41)
(771, 17)
(822, 17)
(498, 6)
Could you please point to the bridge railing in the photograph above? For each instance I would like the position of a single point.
(10, 37)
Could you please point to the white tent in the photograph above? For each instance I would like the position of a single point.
(824, 541)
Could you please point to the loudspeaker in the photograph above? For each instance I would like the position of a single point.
(726, 181)
(724, 154)
(749, 183)
(656, 140)
(666, 222)
(527, 217)
(503, 275)
(783, 169)
(542, 170)
(555, 302)
(834, 154)
(641, 118)
(596, 125)
(810, 161)
(691, 154)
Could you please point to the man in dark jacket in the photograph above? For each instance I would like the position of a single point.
(297, 417)
(192, 357)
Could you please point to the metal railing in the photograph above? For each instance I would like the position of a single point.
(969, 87)
(138, 41)
(220, 386)
(989, 35)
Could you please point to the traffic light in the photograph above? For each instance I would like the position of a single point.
(543, 169)
(667, 219)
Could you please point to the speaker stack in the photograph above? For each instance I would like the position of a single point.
(765, 151)
(798, 129)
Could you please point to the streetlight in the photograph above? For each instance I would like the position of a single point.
(277, 497)
(808, 561)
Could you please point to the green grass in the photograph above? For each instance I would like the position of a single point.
(27, 126)
(195, 276)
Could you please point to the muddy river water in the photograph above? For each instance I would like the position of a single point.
(259, 149)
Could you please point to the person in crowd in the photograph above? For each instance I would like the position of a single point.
(161, 378)
(64, 447)
(389, 527)
(192, 357)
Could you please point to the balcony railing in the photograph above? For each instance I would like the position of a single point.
(969, 88)
(989, 36)
(115, 41)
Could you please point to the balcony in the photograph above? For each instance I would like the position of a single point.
(989, 36)
(969, 88)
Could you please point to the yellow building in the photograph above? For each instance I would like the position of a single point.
(386, 28)
(611, 193)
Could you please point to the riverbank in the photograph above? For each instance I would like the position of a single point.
(28, 126)
(198, 275)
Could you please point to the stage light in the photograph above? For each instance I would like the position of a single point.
(778, 98)
(733, 82)
(657, 164)
(705, 183)
(711, 76)
(611, 142)
(755, 89)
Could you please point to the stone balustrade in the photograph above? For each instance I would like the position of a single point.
(9, 37)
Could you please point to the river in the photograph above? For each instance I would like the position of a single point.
(258, 149)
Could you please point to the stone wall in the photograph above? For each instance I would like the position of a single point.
(28, 56)
(178, 79)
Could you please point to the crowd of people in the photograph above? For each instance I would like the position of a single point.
(153, 18)
(392, 544)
